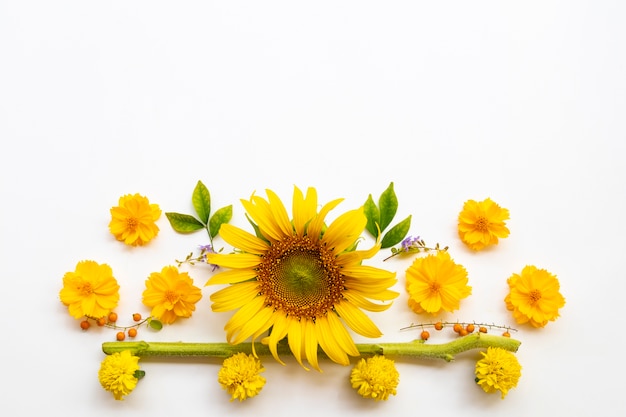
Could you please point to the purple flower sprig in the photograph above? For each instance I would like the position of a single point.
(412, 245)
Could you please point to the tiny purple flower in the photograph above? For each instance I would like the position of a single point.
(205, 249)
(409, 242)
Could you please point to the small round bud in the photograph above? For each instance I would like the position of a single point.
(120, 336)
(132, 332)
(112, 317)
(137, 317)
(425, 335)
(84, 325)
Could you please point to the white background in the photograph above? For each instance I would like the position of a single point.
(523, 102)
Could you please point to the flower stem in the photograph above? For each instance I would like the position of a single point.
(414, 349)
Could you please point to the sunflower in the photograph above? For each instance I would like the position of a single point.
(299, 278)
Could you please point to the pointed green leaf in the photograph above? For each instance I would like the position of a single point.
(201, 200)
(184, 223)
(155, 324)
(372, 215)
(220, 217)
(396, 233)
(257, 231)
(388, 205)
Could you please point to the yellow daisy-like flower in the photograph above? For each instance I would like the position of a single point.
(118, 373)
(498, 370)
(435, 283)
(171, 294)
(534, 296)
(300, 278)
(482, 223)
(133, 220)
(375, 378)
(91, 290)
(240, 376)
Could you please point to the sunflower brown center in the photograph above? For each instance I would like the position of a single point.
(300, 277)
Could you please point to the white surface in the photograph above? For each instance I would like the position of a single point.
(520, 101)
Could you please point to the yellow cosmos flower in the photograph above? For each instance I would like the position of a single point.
(118, 373)
(498, 370)
(133, 220)
(375, 378)
(300, 278)
(435, 283)
(91, 290)
(482, 223)
(240, 376)
(171, 294)
(534, 296)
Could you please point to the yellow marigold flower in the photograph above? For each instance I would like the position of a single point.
(300, 278)
(240, 376)
(118, 373)
(482, 223)
(91, 290)
(171, 294)
(498, 370)
(534, 296)
(133, 220)
(375, 377)
(435, 283)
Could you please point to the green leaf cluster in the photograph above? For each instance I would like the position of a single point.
(201, 200)
(379, 218)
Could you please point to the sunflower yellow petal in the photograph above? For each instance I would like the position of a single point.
(316, 225)
(245, 314)
(260, 321)
(357, 320)
(342, 337)
(328, 345)
(310, 344)
(232, 276)
(234, 260)
(304, 209)
(233, 297)
(360, 301)
(294, 337)
(279, 331)
(279, 213)
(243, 240)
(345, 230)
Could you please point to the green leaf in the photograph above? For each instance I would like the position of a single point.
(372, 215)
(139, 374)
(257, 231)
(201, 200)
(184, 223)
(220, 217)
(155, 324)
(388, 205)
(396, 233)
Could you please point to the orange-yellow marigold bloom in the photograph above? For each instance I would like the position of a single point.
(498, 370)
(435, 283)
(118, 373)
(376, 378)
(133, 220)
(240, 376)
(300, 278)
(90, 290)
(481, 223)
(534, 296)
(171, 294)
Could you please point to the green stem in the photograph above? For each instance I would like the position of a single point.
(414, 349)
